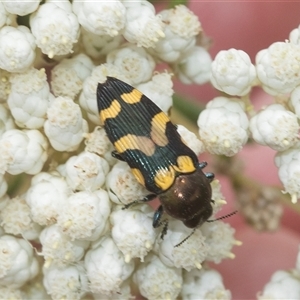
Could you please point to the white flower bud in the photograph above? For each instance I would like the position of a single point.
(124, 294)
(160, 90)
(17, 263)
(87, 99)
(142, 26)
(58, 249)
(106, 268)
(157, 281)
(98, 46)
(87, 171)
(134, 62)
(275, 127)
(223, 126)
(217, 196)
(232, 72)
(5, 18)
(46, 196)
(203, 284)
(183, 256)
(288, 163)
(18, 209)
(22, 151)
(122, 185)
(194, 66)
(180, 30)
(17, 51)
(21, 8)
(100, 17)
(67, 77)
(283, 285)
(278, 67)
(55, 28)
(68, 283)
(295, 101)
(12, 293)
(65, 126)
(219, 238)
(191, 140)
(29, 98)
(294, 36)
(132, 231)
(6, 121)
(84, 215)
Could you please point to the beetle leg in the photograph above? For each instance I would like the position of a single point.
(210, 176)
(157, 222)
(116, 155)
(147, 198)
(202, 165)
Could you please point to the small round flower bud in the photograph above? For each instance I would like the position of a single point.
(223, 126)
(134, 62)
(4, 84)
(6, 120)
(106, 268)
(294, 36)
(275, 127)
(21, 8)
(17, 51)
(232, 72)
(278, 67)
(55, 28)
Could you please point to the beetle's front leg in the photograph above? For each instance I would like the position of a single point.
(157, 221)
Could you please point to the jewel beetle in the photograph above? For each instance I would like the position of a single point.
(145, 138)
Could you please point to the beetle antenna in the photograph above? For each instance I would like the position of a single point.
(185, 238)
(223, 217)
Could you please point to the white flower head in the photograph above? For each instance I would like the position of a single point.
(160, 90)
(204, 284)
(180, 29)
(29, 98)
(69, 282)
(17, 262)
(278, 67)
(6, 120)
(194, 66)
(84, 215)
(219, 238)
(106, 268)
(142, 27)
(17, 51)
(122, 185)
(87, 97)
(153, 273)
(22, 151)
(134, 62)
(4, 85)
(65, 126)
(275, 127)
(87, 171)
(55, 28)
(132, 231)
(223, 126)
(58, 249)
(191, 140)
(18, 209)
(5, 17)
(100, 17)
(67, 77)
(21, 8)
(288, 163)
(232, 72)
(48, 192)
(175, 251)
(97, 46)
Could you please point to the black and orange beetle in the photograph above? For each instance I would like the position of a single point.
(145, 138)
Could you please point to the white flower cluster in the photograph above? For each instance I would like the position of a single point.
(283, 284)
(63, 232)
(227, 123)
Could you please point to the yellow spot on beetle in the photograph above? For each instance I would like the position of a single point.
(111, 112)
(158, 129)
(133, 97)
(138, 175)
(135, 142)
(184, 164)
(164, 178)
